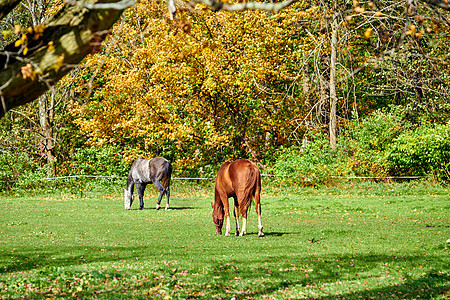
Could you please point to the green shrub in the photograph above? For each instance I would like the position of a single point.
(424, 151)
(19, 171)
(311, 165)
(381, 145)
(106, 161)
(377, 131)
(366, 140)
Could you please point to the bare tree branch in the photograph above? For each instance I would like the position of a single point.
(172, 8)
(439, 3)
(66, 39)
(217, 5)
(121, 5)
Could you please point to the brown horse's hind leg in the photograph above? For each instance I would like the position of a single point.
(260, 227)
(244, 220)
(258, 212)
(244, 227)
(236, 216)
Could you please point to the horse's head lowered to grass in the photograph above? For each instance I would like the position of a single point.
(218, 216)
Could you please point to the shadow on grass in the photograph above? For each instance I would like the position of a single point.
(429, 286)
(265, 275)
(270, 233)
(182, 207)
(31, 258)
(337, 268)
(163, 209)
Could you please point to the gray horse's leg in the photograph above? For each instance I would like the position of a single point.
(161, 190)
(168, 195)
(141, 188)
(128, 195)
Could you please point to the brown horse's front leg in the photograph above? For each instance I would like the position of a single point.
(226, 208)
(227, 232)
(244, 227)
(244, 222)
(236, 217)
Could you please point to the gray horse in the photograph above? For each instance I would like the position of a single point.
(143, 171)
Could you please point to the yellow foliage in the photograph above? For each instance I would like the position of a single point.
(378, 14)
(359, 9)
(51, 47)
(38, 31)
(200, 84)
(412, 30)
(22, 41)
(17, 29)
(6, 34)
(368, 33)
(28, 72)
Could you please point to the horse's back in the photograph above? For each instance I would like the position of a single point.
(237, 177)
(244, 175)
(149, 170)
(242, 168)
(161, 169)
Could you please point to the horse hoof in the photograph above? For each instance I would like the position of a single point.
(158, 207)
(141, 208)
(260, 234)
(167, 208)
(227, 234)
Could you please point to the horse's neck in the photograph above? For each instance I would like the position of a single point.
(218, 207)
(130, 183)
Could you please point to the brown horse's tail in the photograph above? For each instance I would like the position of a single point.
(254, 179)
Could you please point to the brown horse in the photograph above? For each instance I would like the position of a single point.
(242, 181)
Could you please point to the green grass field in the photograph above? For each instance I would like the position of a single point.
(372, 241)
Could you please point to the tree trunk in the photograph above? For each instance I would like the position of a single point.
(333, 97)
(46, 109)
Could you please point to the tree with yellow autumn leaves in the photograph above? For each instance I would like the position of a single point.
(48, 50)
(205, 87)
(201, 85)
(209, 86)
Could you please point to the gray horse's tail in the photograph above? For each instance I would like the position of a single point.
(165, 181)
